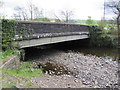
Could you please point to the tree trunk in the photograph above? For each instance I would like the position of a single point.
(118, 28)
(31, 15)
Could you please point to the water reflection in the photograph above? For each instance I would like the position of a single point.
(106, 53)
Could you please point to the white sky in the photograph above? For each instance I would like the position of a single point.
(82, 8)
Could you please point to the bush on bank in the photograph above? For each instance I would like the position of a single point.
(8, 33)
(99, 38)
(26, 69)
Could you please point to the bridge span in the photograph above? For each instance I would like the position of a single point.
(41, 33)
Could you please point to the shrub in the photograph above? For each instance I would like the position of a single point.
(99, 38)
(8, 33)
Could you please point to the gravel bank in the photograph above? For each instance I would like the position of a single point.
(91, 71)
(63, 81)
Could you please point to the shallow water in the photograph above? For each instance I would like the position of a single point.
(110, 53)
(100, 52)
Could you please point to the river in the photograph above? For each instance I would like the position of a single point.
(112, 53)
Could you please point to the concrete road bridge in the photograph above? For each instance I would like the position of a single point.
(35, 33)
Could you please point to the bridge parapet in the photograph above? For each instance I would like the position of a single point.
(47, 29)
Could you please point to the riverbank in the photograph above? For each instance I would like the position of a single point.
(91, 70)
(64, 69)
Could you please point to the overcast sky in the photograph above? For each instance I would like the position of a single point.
(81, 8)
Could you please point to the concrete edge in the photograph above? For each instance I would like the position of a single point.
(12, 63)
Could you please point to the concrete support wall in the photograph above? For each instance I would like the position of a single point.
(49, 40)
(12, 63)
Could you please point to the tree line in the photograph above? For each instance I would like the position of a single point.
(114, 5)
(33, 12)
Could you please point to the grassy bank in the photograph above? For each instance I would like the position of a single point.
(7, 54)
(20, 77)
(26, 70)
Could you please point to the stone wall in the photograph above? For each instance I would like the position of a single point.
(50, 27)
(12, 63)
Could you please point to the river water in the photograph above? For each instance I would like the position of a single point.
(100, 52)
(106, 53)
(80, 46)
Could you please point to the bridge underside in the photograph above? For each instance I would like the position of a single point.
(49, 40)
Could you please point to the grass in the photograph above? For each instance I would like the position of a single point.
(5, 55)
(23, 75)
(26, 70)
(9, 84)
(11, 78)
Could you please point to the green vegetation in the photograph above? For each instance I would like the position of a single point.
(103, 33)
(7, 53)
(43, 19)
(83, 22)
(26, 70)
(89, 21)
(9, 50)
(24, 33)
(100, 38)
(8, 33)
(4, 55)
(22, 75)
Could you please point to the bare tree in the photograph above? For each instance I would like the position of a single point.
(2, 14)
(114, 5)
(1, 4)
(67, 14)
(20, 13)
(24, 14)
(34, 11)
(16, 16)
(31, 8)
(38, 13)
(57, 18)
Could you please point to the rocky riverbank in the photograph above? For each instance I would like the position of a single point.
(63, 81)
(88, 70)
